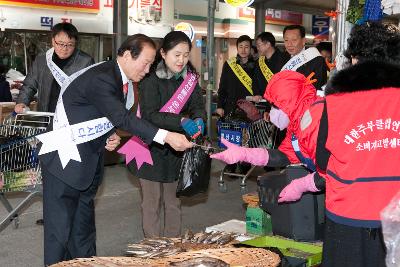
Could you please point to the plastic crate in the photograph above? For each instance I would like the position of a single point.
(294, 253)
(301, 220)
(234, 132)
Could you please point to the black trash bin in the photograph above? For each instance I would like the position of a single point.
(302, 220)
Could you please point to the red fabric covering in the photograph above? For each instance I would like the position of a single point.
(291, 92)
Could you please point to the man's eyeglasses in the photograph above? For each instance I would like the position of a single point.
(61, 45)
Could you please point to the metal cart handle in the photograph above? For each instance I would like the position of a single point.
(37, 113)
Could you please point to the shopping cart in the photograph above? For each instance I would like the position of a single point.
(260, 133)
(19, 164)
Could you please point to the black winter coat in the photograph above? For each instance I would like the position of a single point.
(275, 64)
(231, 89)
(154, 92)
(319, 67)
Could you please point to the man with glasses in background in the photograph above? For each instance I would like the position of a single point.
(40, 79)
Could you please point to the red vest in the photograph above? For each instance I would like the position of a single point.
(363, 172)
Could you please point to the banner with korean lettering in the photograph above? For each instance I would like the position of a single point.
(272, 16)
(88, 6)
(155, 4)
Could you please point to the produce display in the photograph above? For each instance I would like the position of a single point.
(13, 181)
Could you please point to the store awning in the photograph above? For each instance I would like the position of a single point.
(316, 7)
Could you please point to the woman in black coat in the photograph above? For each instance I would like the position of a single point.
(159, 181)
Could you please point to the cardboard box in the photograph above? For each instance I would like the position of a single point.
(33, 106)
(258, 222)
(6, 108)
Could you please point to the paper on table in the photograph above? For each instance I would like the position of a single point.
(231, 226)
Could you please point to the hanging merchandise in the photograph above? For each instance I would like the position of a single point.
(391, 7)
(355, 11)
(372, 10)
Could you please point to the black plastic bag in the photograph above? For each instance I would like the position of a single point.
(194, 174)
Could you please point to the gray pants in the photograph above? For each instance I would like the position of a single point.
(156, 195)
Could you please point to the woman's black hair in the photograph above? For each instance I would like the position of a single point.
(171, 40)
(374, 41)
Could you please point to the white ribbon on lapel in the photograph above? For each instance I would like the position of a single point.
(65, 137)
(305, 56)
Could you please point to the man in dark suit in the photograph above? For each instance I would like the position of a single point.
(295, 40)
(69, 191)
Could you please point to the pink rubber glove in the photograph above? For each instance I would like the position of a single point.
(235, 153)
(297, 187)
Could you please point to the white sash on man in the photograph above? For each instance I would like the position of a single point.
(65, 137)
(300, 59)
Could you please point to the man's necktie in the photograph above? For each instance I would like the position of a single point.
(129, 95)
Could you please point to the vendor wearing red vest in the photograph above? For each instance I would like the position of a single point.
(361, 177)
(358, 147)
(360, 160)
(355, 134)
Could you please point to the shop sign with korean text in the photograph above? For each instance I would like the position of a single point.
(239, 3)
(272, 16)
(156, 4)
(187, 28)
(88, 6)
(320, 27)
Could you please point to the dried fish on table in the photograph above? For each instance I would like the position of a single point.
(226, 238)
(162, 247)
(203, 236)
(201, 262)
(214, 237)
(152, 248)
(187, 236)
(160, 242)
